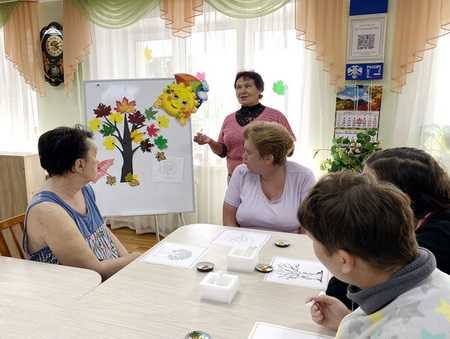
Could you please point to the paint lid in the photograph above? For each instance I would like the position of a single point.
(205, 266)
(197, 335)
(264, 268)
(282, 243)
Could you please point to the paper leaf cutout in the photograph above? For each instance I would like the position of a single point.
(148, 54)
(160, 156)
(116, 117)
(94, 124)
(102, 110)
(125, 106)
(163, 121)
(136, 118)
(152, 131)
(146, 145)
(102, 168)
(109, 143)
(279, 87)
(107, 130)
(150, 113)
(110, 180)
(161, 142)
(132, 179)
(137, 137)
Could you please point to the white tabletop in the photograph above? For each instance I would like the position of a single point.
(30, 292)
(156, 301)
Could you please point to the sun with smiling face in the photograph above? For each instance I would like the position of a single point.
(179, 101)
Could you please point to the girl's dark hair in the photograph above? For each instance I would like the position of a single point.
(59, 148)
(259, 82)
(417, 174)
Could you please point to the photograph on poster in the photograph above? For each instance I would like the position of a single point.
(357, 108)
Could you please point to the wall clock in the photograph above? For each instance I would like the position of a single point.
(52, 52)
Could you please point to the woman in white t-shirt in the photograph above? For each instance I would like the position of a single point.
(266, 190)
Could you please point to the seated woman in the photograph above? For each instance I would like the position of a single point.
(266, 190)
(417, 174)
(63, 224)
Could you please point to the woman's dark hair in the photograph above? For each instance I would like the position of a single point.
(259, 82)
(59, 148)
(370, 219)
(417, 174)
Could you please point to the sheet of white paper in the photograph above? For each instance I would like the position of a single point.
(304, 273)
(270, 331)
(241, 239)
(169, 170)
(173, 254)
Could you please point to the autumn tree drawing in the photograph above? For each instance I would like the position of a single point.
(126, 130)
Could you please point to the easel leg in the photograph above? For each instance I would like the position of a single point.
(181, 219)
(158, 238)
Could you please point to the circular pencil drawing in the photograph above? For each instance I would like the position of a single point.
(179, 254)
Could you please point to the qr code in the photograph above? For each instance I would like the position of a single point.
(366, 41)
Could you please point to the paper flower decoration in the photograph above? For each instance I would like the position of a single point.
(279, 87)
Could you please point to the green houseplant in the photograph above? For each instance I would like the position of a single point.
(349, 153)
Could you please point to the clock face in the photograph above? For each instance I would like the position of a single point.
(54, 45)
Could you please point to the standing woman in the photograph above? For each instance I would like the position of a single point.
(249, 86)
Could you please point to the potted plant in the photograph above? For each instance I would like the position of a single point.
(350, 154)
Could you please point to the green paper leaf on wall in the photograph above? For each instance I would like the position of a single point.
(279, 87)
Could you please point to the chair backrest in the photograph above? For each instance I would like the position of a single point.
(11, 233)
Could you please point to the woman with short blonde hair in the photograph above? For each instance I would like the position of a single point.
(265, 191)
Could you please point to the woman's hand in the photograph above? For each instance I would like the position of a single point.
(328, 311)
(202, 139)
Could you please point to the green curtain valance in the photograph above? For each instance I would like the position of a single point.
(247, 8)
(5, 10)
(115, 13)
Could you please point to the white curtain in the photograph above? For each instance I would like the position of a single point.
(422, 112)
(219, 47)
(18, 109)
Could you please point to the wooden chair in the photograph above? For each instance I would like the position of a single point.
(11, 232)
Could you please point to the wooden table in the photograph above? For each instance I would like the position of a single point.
(154, 301)
(31, 292)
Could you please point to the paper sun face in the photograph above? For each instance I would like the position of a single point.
(178, 99)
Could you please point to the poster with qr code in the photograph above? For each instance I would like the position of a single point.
(366, 38)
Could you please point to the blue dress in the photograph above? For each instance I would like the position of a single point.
(91, 226)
